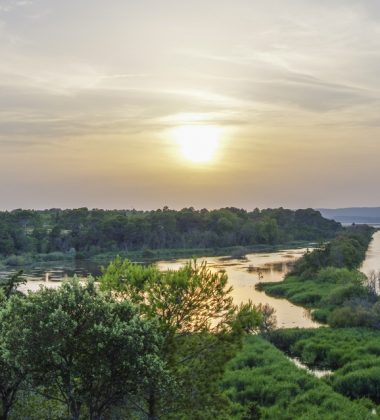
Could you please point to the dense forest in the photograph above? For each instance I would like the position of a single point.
(89, 232)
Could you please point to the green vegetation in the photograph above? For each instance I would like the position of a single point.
(202, 330)
(144, 344)
(80, 348)
(353, 354)
(147, 345)
(149, 255)
(326, 279)
(81, 233)
(263, 384)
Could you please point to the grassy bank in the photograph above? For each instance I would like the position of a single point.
(168, 254)
(144, 255)
(263, 383)
(328, 281)
(353, 354)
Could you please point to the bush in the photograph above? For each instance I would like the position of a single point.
(17, 260)
(54, 256)
(339, 276)
(263, 378)
(360, 383)
(353, 354)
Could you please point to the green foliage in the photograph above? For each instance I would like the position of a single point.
(346, 250)
(201, 326)
(239, 253)
(86, 350)
(17, 260)
(360, 383)
(353, 354)
(263, 383)
(82, 232)
(340, 294)
(31, 405)
(10, 284)
(11, 376)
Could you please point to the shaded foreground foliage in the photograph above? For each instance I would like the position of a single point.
(326, 280)
(83, 350)
(201, 326)
(264, 384)
(148, 345)
(83, 232)
(353, 354)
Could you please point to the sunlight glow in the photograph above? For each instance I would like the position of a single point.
(198, 143)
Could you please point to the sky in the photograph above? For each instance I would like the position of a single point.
(203, 103)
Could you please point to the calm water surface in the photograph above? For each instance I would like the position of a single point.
(243, 276)
(52, 274)
(372, 260)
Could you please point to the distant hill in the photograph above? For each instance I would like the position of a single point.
(369, 215)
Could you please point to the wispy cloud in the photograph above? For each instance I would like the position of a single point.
(292, 84)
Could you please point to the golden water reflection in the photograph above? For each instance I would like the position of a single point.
(244, 274)
(372, 260)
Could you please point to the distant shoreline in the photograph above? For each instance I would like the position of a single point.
(156, 255)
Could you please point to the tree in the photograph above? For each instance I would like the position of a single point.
(10, 284)
(82, 348)
(202, 330)
(11, 377)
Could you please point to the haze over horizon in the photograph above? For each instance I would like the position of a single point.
(203, 103)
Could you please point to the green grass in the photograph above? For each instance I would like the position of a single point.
(144, 255)
(328, 290)
(167, 254)
(263, 383)
(353, 354)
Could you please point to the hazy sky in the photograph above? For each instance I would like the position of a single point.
(97, 97)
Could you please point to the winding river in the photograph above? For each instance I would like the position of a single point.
(243, 275)
(372, 260)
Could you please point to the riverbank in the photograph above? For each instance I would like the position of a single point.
(146, 255)
(243, 274)
(326, 279)
(261, 382)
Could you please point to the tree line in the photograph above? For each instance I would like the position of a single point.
(88, 232)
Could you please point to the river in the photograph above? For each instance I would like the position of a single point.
(371, 263)
(372, 260)
(243, 275)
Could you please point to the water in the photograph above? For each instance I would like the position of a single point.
(52, 274)
(372, 260)
(243, 275)
(319, 373)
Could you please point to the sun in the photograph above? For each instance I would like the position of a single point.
(198, 143)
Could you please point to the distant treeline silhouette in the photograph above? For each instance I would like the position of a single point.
(95, 231)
